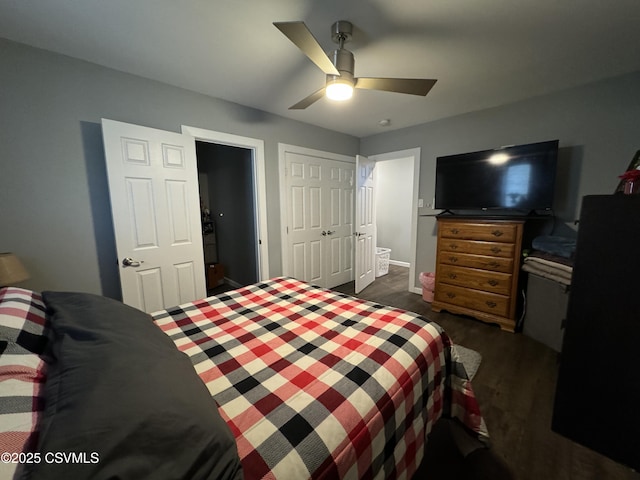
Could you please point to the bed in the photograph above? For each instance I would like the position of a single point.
(277, 380)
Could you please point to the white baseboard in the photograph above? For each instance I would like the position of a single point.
(399, 263)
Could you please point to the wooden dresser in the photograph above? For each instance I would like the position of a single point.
(477, 268)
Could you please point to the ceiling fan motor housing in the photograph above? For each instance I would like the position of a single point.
(344, 62)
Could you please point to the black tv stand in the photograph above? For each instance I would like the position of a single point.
(446, 212)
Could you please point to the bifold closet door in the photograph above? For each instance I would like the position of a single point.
(319, 219)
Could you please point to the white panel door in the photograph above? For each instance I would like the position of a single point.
(319, 219)
(155, 206)
(338, 220)
(365, 231)
(305, 237)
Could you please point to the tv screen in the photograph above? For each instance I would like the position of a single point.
(520, 177)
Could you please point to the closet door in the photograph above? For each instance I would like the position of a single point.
(338, 219)
(153, 187)
(319, 219)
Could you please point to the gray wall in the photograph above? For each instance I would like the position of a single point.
(598, 129)
(394, 179)
(54, 204)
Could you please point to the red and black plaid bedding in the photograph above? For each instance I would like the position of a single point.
(317, 384)
(22, 342)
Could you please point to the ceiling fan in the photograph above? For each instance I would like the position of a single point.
(339, 68)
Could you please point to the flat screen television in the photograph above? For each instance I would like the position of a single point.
(518, 178)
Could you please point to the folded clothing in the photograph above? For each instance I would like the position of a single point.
(550, 259)
(549, 266)
(560, 246)
(556, 275)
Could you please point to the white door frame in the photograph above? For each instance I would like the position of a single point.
(260, 191)
(415, 154)
(283, 149)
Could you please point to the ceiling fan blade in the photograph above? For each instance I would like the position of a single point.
(412, 86)
(300, 35)
(305, 102)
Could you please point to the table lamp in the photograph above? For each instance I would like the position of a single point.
(11, 270)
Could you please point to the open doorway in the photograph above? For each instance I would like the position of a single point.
(255, 223)
(394, 199)
(397, 207)
(225, 177)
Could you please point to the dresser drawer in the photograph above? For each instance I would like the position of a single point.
(495, 282)
(483, 262)
(473, 299)
(478, 248)
(493, 232)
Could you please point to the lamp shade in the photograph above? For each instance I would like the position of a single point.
(11, 270)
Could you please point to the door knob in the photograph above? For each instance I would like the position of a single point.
(324, 234)
(130, 262)
(330, 232)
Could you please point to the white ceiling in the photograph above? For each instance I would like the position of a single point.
(484, 53)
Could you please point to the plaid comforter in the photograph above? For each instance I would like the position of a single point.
(317, 384)
(22, 371)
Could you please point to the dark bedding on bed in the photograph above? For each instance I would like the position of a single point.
(124, 401)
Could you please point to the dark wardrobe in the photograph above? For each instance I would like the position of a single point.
(597, 401)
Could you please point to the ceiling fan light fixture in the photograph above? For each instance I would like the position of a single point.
(339, 66)
(339, 89)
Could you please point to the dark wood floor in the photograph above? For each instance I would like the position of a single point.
(515, 387)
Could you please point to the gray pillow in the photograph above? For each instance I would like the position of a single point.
(124, 401)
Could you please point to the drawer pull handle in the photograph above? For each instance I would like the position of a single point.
(455, 231)
(493, 264)
(497, 233)
(492, 282)
(453, 259)
(453, 246)
(451, 295)
(453, 276)
(491, 304)
(496, 249)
